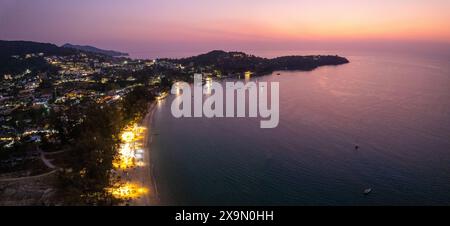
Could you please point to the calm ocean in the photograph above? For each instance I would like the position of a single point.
(395, 107)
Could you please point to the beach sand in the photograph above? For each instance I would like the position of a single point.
(143, 176)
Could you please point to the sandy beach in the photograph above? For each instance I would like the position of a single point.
(143, 175)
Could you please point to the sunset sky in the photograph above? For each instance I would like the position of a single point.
(168, 25)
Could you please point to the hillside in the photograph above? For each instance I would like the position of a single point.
(238, 62)
(96, 50)
(15, 65)
(10, 48)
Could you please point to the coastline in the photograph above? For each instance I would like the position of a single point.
(143, 175)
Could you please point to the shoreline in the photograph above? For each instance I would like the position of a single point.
(144, 175)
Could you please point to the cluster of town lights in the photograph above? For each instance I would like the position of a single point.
(128, 191)
(131, 138)
(130, 155)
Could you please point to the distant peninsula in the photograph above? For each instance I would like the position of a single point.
(239, 62)
(92, 49)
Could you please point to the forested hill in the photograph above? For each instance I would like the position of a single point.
(92, 49)
(238, 62)
(11, 48)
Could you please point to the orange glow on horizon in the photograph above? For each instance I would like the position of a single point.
(238, 24)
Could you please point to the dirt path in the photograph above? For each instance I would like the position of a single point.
(27, 178)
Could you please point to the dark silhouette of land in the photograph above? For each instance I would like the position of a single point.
(92, 49)
(239, 62)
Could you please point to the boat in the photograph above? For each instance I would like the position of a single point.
(368, 191)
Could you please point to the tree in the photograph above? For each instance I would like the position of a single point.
(90, 160)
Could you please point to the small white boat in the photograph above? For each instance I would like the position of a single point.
(368, 191)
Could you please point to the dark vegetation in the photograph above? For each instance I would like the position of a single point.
(10, 48)
(92, 49)
(94, 144)
(238, 62)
